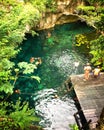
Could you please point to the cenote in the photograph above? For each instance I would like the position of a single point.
(58, 55)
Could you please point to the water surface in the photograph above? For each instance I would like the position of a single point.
(59, 57)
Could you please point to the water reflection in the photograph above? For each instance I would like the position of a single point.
(57, 112)
(58, 65)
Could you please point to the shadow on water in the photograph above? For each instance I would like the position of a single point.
(49, 97)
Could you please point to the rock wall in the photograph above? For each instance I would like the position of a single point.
(65, 13)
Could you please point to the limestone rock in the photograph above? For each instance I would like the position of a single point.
(65, 13)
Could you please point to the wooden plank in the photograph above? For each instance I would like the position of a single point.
(90, 95)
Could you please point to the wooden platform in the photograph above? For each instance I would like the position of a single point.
(90, 95)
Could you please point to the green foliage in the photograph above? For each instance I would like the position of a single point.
(5, 85)
(94, 16)
(50, 41)
(96, 2)
(51, 5)
(39, 4)
(27, 68)
(74, 127)
(18, 117)
(36, 77)
(97, 50)
(44, 5)
(81, 39)
(85, 8)
(100, 24)
(91, 14)
(16, 19)
(7, 64)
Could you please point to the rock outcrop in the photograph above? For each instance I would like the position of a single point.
(65, 13)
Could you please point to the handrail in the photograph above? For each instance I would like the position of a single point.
(78, 121)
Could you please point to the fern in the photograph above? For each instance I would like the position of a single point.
(18, 117)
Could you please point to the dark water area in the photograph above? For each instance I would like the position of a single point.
(59, 57)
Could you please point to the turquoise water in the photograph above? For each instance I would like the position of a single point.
(59, 57)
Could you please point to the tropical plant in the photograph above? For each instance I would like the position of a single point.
(98, 2)
(17, 116)
(94, 16)
(16, 19)
(97, 50)
(74, 127)
(81, 39)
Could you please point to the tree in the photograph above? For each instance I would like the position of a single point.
(16, 19)
(94, 16)
(97, 50)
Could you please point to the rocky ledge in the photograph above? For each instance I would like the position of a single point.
(64, 13)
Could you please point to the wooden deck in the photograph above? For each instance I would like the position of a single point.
(90, 95)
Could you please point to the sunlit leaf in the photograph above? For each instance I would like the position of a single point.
(36, 77)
